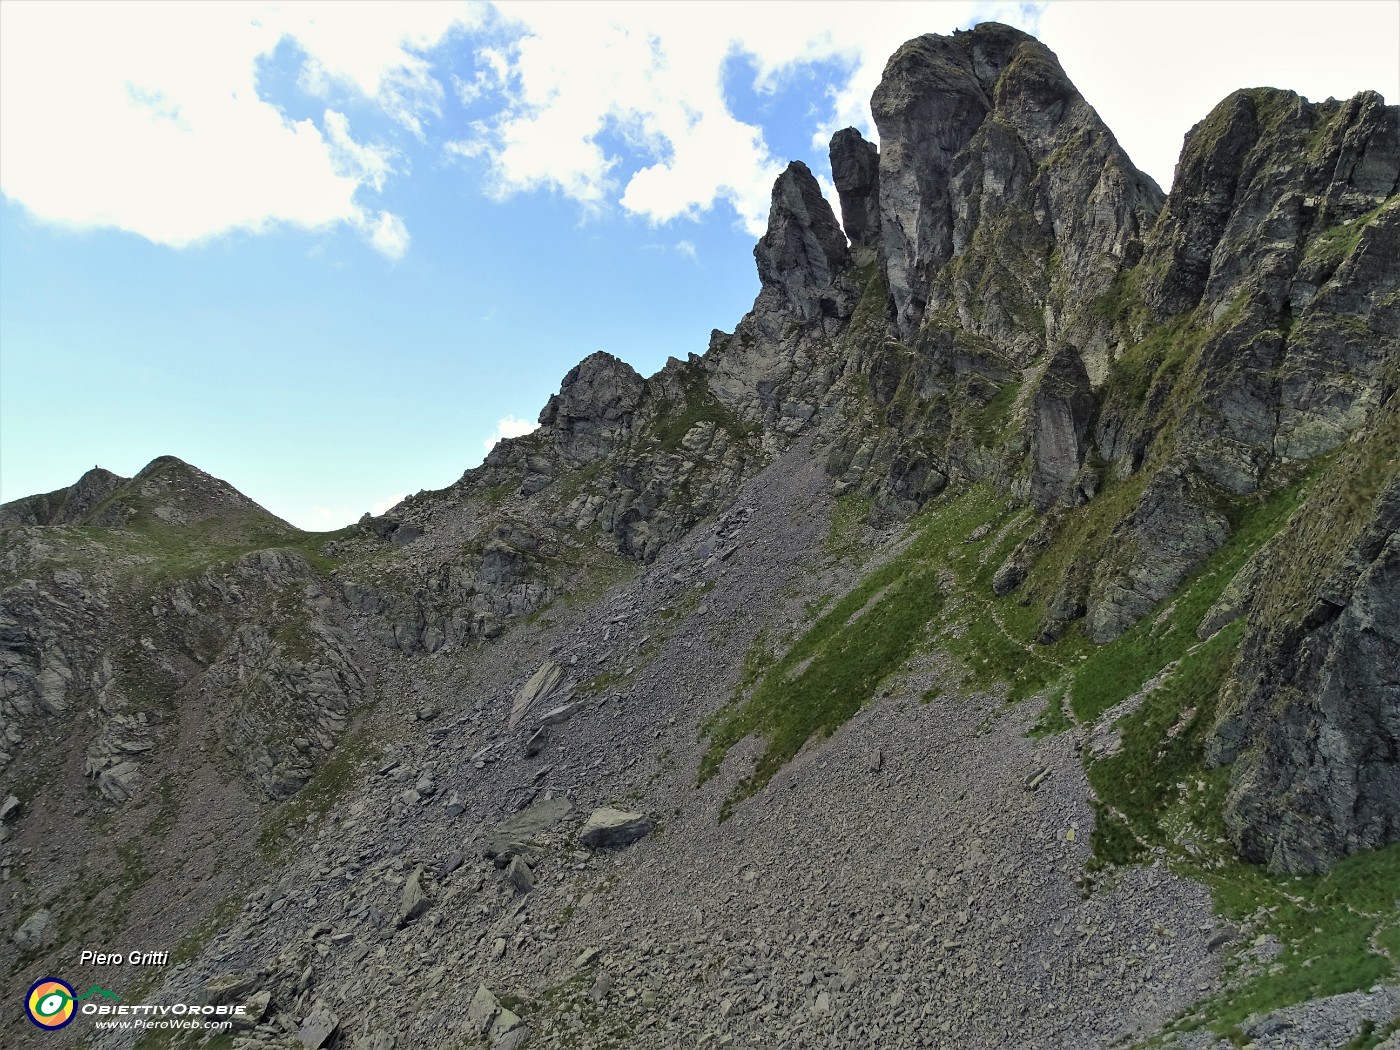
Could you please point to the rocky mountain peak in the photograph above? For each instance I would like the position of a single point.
(1240, 194)
(804, 250)
(991, 157)
(65, 506)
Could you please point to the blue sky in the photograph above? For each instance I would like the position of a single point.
(328, 252)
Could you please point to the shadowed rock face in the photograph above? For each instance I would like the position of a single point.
(1315, 738)
(1060, 417)
(804, 250)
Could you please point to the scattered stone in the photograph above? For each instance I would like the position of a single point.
(541, 684)
(9, 809)
(602, 986)
(516, 835)
(561, 714)
(254, 1010)
(481, 1014)
(228, 988)
(1033, 782)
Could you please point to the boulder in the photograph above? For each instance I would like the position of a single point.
(318, 1028)
(541, 684)
(414, 900)
(32, 930)
(517, 835)
(614, 828)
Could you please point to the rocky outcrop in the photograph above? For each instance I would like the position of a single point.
(593, 411)
(1313, 723)
(804, 250)
(1061, 412)
(1006, 206)
(855, 168)
(66, 506)
(1170, 532)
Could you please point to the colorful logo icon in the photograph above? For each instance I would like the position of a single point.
(50, 1003)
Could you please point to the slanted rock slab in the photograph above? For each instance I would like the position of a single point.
(613, 828)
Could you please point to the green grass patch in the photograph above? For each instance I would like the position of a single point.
(1324, 923)
(849, 518)
(1116, 671)
(1052, 718)
(1113, 841)
(698, 405)
(924, 593)
(332, 782)
(1329, 248)
(1163, 740)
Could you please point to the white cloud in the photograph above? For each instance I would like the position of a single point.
(368, 165)
(146, 117)
(387, 233)
(651, 76)
(1153, 69)
(576, 81)
(509, 427)
(687, 248)
(387, 504)
(375, 49)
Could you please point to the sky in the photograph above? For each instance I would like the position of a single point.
(330, 252)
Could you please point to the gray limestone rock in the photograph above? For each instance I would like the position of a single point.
(519, 875)
(1061, 411)
(804, 249)
(541, 685)
(413, 901)
(1314, 734)
(319, 1027)
(855, 168)
(593, 411)
(31, 932)
(520, 834)
(608, 828)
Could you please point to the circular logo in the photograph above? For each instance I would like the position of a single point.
(50, 1003)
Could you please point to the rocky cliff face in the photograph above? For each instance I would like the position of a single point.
(1134, 455)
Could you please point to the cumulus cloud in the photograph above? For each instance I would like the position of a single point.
(387, 503)
(1151, 95)
(650, 77)
(583, 92)
(509, 427)
(147, 117)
